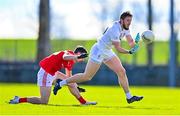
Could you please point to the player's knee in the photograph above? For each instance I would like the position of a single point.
(44, 102)
(86, 77)
(71, 85)
(123, 71)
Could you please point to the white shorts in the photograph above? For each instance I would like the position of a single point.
(44, 79)
(98, 56)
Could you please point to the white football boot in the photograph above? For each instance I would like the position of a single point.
(15, 100)
(90, 103)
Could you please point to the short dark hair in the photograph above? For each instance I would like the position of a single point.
(126, 14)
(80, 49)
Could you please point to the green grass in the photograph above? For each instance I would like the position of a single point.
(17, 50)
(25, 50)
(111, 100)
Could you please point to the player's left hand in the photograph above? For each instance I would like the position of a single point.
(83, 55)
(134, 49)
(137, 38)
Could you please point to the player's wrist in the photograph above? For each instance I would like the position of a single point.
(83, 55)
(130, 52)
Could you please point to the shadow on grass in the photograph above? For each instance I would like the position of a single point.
(114, 107)
(64, 105)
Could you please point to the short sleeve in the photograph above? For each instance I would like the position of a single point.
(114, 35)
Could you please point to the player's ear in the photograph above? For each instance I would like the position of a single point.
(78, 53)
(121, 21)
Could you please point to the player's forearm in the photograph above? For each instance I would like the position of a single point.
(122, 50)
(70, 57)
(130, 40)
(68, 72)
(132, 44)
(119, 48)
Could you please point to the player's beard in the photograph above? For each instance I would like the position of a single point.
(124, 26)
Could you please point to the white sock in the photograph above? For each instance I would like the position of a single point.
(63, 82)
(128, 95)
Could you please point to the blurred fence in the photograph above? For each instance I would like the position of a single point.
(26, 72)
(25, 50)
(18, 63)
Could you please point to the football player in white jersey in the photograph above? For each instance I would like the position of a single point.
(101, 52)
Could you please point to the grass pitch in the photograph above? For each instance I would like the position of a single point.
(111, 101)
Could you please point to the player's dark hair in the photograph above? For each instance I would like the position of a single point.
(80, 49)
(126, 14)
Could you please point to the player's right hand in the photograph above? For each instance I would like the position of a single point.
(83, 55)
(134, 49)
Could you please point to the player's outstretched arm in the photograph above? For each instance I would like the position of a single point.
(68, 56)
(134, 49)
(124, 51)
(119, 48)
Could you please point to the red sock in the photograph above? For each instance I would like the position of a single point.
(21, 100)
(82, 100)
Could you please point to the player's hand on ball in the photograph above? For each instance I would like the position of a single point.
(137, 38)
(134, 49)
(83, 55)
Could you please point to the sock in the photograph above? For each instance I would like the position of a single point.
(63, 82)
(21, 100)
(128, 95)
(81, 100)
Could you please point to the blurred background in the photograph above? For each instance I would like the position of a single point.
(32, 29)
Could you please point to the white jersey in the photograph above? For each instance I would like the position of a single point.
(113, 33)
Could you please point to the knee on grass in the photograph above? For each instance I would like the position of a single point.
(44, 101)
(121, 71)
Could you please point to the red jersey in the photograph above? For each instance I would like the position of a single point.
(55, 62)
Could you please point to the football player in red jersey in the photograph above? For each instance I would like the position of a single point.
(49, 71)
